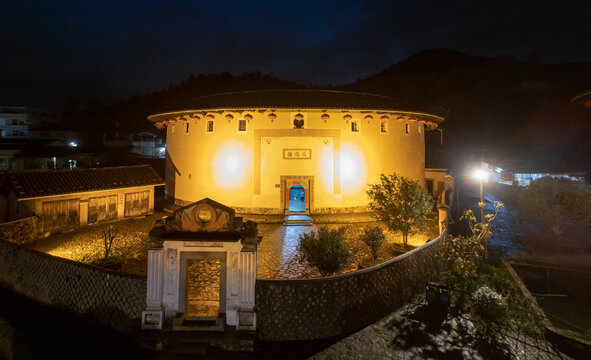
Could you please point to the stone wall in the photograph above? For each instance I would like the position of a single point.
(332, 306)
(112, 298)
(20, 231)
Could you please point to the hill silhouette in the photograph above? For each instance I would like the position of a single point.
(495, 103)
(490, 104)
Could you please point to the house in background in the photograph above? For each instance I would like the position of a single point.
(65, 199)
(37, 139)
(144, 144)
(24, 122)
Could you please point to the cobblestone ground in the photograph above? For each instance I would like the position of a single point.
(86, 244)
(277, 253)
(414, 333)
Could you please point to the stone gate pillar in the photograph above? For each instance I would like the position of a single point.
(153, 316)
(248, 274)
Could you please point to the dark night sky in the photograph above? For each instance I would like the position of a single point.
(52, 50)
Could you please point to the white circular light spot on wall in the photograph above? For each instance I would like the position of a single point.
(229, 164)
(353, 167)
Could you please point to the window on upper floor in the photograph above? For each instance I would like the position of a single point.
(355, 125)
(209, 126)
(383, 127)
(186, 128)
(242, 125)
(407, 129)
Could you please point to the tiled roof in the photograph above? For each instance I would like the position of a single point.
(296, 99)
(39, 183)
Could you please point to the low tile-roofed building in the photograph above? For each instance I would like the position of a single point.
(66, 199)
(37, 183)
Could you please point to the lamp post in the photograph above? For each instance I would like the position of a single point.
(481, 175)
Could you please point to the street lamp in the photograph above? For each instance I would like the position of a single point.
(481, 175)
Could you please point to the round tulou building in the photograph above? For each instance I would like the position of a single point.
(280, 151)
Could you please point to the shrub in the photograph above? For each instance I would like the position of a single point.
(460, 257)
(487, 304)
(374, 238)
(326, 250)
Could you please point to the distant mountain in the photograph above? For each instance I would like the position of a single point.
(130, 115)
(492, 102)
(489, 103)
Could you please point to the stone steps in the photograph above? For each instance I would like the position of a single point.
(196, 344)
(297, 220)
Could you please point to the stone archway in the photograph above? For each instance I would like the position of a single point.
(202, 237)
(307, 183)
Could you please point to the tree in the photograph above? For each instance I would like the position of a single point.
(374, 238)
(326, 250)
(109, 235)
(557, 202)
(401, 204)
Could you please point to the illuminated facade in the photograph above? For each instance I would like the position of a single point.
(249, 149)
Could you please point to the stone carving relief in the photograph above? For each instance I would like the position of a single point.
(171, 279)
(204, 215)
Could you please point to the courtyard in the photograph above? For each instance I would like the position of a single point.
(277, 253)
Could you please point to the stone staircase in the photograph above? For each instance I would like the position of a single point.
(297, 219)
(189, 344)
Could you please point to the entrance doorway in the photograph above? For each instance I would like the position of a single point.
(203, 289)
(202, 285)
(297, 194)
(297, 199)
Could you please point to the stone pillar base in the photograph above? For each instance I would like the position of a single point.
(246, 319)
(152, 319)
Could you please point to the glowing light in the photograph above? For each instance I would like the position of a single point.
(229, 164)
(73, 144)
(325, 164)
(353, 167)
(480, 174)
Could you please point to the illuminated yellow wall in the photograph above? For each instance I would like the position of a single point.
(243, 169)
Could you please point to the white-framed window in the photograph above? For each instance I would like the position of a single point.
(209, 126)
(242, 126)
(186, 128)
(407, 128)
(383, 127)
(355, 125)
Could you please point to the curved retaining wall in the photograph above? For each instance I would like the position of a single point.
(320, 308)
(112, 298)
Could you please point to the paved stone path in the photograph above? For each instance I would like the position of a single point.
(277, 253)
(414, 333)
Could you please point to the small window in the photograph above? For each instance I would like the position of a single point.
(407, 129)
(420, 132)
(241, 125)
(186, 128)
(354, 125)
(383, 127)
(429, 185)
(209, 126)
